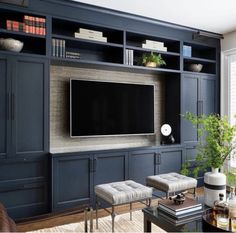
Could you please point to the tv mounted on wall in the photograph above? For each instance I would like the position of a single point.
(100, 108)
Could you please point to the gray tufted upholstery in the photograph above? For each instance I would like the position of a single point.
(123, 192)
(171, 182)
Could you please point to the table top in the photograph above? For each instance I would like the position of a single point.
(189, 224)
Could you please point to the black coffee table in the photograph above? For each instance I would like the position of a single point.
(201, 223)
(156, 216)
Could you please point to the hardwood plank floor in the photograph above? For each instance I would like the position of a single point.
(73, 216)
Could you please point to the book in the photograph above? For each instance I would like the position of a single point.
(178, 221)
(90, 37)
(85, 31)
(189, 205)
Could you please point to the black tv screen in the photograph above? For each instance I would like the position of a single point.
(107, 108)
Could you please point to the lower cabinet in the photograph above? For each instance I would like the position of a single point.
(24, 186)
(75, 175)
(143, 163)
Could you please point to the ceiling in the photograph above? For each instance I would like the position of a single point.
(210, 15)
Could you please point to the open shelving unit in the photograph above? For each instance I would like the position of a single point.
(201, 54)
(34, 43)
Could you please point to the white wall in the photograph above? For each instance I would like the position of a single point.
(228, 47)
(229, 41)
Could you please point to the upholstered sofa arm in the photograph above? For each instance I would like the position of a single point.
(6, 223)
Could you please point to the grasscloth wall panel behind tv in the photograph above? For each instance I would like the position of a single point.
(60, 140)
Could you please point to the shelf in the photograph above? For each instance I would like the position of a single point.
(59, 60)
(136, 40)
(201, 51)
(73, 39)
(62, 27)
(199, 59)
(151, 50)
(199, 73)
(19, 33)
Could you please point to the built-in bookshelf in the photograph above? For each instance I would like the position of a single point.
(27, 28)
(199, 54)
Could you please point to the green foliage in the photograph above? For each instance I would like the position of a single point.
(231, 178)
(153, 57)
(217, 141)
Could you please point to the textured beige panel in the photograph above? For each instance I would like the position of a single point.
(60, 140)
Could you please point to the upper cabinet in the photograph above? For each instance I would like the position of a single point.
(30, 29)
(194, 54)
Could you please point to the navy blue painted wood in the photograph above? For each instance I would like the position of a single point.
(143, 163)
(189, 98)
(29, 98)
(72, 181)
(25, 199)
(170, 160)
(4, 106)
(110, 167)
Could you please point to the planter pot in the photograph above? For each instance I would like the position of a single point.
(214, 184)
(152, 64)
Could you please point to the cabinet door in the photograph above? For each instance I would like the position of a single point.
(189, 100)
(71, 181)
(142, 163)
(4, 106)
(29, 102)
(208, 95)
(110, 167)
(170, 161)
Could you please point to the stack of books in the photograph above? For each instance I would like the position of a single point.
(182, 213)
(129, 57)
(31, 24)
(154, 45)
(88, 34)
(58, 48)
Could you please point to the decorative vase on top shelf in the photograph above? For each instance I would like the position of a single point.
(216, 144)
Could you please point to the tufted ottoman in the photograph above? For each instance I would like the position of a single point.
(172, 183)
(118, 193)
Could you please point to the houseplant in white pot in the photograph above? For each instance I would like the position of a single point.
(152, 60)
(217, 142)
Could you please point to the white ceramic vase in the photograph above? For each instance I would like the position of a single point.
(214, 184)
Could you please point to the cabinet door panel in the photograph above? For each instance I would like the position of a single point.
(142, 164)
(110, 167)
(170, 161)
(208, 97)
(189, 104)
(71, 181)
(29, 100)
(4, 106)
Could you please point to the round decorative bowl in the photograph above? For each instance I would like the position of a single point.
(195, 67)
(11, 44)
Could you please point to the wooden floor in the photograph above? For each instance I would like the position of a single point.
(74, 216)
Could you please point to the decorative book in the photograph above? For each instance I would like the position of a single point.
(189, 205)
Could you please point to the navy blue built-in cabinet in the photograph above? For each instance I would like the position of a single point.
(33, 181)
(24, 141)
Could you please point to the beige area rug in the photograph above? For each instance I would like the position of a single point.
(122, 224)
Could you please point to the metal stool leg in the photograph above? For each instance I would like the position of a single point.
(130, 210)
(91, 219)
(86, 220)
(113, 218)
(96, 212)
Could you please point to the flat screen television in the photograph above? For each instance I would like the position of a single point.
(100, 108)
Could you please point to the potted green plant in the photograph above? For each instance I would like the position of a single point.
(217, 143)
(152, 60)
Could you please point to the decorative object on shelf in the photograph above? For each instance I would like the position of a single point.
(88, 34)
(217, 142)
(187, 51)
(154, 45)
(152, 60)
(195, 67)
(11, 44)
(167, 136)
